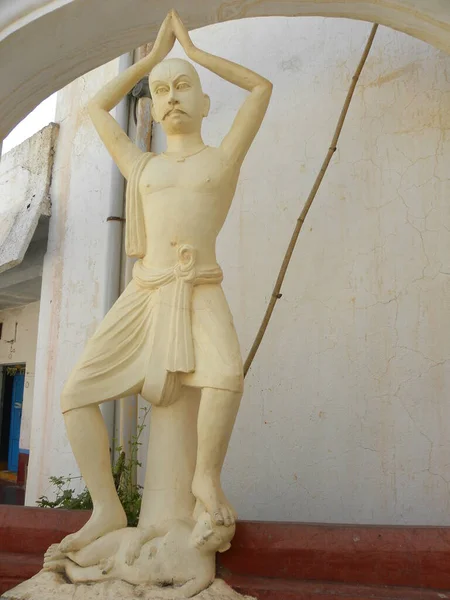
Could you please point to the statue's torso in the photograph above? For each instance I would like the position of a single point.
(186, 203)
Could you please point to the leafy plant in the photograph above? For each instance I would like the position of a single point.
(124, 475)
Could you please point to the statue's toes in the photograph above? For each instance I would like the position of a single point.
(69, 544)
(64, 546)
(52, 551)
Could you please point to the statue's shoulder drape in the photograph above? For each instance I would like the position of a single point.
(135, 241)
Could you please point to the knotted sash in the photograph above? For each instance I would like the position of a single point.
(173, 348)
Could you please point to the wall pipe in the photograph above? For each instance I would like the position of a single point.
(114, 242)
(139, 130)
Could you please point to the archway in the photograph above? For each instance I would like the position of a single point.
(45, 44)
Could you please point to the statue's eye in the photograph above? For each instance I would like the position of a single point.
(183, 85)
(162, 89)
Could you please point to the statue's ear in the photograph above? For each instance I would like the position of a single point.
(206, 105)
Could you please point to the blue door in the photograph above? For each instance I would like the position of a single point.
(16, 417)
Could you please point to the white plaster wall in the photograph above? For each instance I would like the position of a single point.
(25, 174)
(76, 269)
(18, 345)
(346, 412)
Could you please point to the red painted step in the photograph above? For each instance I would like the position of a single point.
(274, 561)
(15, 567)
(352, 554)
(264, 588)
(26, 529)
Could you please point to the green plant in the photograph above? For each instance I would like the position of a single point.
(124, 475)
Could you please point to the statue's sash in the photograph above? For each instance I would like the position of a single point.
(135, 238)
(173, 348)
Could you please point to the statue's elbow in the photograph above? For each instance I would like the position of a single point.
(265, 90)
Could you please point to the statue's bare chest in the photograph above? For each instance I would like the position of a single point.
(206, 172)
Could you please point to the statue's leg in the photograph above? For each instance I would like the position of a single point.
(112, 366)
(171, 458)
(218, 372)
(89, 440)
(216, 417)
(78, 574)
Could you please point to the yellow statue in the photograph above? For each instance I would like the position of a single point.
(171, 329)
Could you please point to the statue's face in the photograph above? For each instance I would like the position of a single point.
(179, 103)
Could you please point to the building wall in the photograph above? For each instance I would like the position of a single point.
(77, 269)
(18, 345)
(345, 416)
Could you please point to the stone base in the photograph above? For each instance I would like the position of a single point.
(54, 586)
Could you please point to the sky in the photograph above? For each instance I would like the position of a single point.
(41, 116)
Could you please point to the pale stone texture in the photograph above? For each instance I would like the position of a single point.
(171, 327)
(51, 586)
(18, 345)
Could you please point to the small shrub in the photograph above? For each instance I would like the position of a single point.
(123, 470)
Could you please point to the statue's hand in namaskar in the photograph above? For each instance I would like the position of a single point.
(165, 39)
(181, 33)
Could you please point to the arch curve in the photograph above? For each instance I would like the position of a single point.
(45, 44)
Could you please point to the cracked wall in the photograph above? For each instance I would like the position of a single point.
(346, 412)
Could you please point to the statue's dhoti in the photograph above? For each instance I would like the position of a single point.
(169, 328)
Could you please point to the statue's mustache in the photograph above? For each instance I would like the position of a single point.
(174, 109)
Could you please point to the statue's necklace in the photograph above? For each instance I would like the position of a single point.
(181, 159)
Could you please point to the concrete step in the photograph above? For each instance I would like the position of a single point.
(15, 567)
(380, 555)
(264, 588)
(11, 493)
(274, 561)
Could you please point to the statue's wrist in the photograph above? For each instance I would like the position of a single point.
(191, 51)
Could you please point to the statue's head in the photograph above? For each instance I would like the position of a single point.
(179, 103)
(209, 538)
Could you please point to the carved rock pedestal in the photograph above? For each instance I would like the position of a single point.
(53, 586)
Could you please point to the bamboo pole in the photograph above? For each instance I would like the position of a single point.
(276, 295)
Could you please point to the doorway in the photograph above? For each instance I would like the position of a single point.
(12, 381)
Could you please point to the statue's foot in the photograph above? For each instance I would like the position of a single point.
(101, 522)
(53, 553)
(56, 565)
(209, 493)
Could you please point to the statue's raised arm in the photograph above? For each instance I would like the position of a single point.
(251, 114)
(123, 151)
